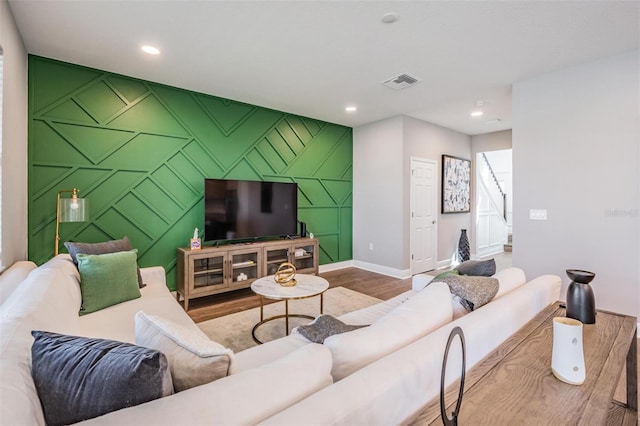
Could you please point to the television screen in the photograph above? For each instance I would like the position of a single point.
(243, 209)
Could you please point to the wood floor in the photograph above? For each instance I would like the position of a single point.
(370, 283)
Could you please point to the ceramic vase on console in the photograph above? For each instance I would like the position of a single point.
(567, 355)
(581, 302)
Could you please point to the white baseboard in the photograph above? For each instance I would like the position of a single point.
(384, 270)
(443, 264)
(336, 266)
(489, 251)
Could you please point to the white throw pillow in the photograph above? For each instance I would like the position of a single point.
(420, 314)
(193, 358)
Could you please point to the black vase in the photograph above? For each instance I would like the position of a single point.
(581, 302)
(464, 252)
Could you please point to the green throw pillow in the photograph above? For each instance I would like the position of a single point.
(107, 279)
(441, 275)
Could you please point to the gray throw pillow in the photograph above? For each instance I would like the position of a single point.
(78, 378)
(324, 326)
(112, 246)
(474, 291)
(477, 268)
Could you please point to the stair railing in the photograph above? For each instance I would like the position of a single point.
(495, 179)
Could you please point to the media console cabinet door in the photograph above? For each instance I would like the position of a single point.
(305, 256)
(208, 272)
(275, 255)
(244, 266)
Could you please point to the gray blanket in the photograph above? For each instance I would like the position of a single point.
(474, 291)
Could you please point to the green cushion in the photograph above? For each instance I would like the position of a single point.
(441, 275)
(107, 279)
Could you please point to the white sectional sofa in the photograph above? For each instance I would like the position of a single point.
(380, 374)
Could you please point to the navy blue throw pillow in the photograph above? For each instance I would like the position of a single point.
(78, 378)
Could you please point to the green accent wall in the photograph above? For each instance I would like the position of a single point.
(140, 151)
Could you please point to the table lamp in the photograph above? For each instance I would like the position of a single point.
(72, 209)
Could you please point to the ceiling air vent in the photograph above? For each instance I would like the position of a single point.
(401, 81)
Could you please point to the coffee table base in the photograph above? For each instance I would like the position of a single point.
(308, 286)
(286, 317)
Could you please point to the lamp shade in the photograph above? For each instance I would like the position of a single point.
(74, 209)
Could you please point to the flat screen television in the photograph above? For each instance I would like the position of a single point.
(249, 210)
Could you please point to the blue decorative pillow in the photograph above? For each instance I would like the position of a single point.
(78, 378)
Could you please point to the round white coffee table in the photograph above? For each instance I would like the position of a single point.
(307, 286)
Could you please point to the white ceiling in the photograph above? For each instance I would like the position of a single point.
(313, 58)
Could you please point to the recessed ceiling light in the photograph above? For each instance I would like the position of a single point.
(390, 18)
(476, 113)
(150, 50)
(351, 109)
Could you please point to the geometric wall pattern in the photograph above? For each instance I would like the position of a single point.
(140, 151)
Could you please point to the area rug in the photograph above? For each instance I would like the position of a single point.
(234, 331)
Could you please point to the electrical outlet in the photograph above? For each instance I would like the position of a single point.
(538, 214)
(371, 246)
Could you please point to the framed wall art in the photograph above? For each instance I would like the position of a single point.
(456, 184)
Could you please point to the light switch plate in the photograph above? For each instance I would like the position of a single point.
(538, 214)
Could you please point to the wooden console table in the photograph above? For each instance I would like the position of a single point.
(514, 384)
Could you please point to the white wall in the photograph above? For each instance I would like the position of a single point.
(14, 140)
(377, 194)
(494, 141)
(426, 140)
(382, 154)
(576, 139)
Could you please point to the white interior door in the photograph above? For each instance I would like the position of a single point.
(424, 242)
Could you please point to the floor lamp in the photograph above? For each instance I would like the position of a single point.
(72, 209)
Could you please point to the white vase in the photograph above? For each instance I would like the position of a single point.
(567, 358)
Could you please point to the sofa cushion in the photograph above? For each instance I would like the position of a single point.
(393, 389)
(12, 277)
(509, 278)
(324, 326)
(193, 358)
(246, 398)
(101, 248)
(427, 310)
(107, 279)
(477, 268)
(78, 378)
